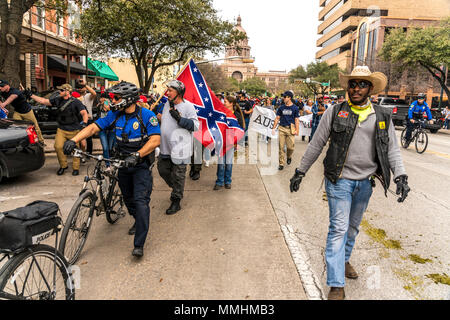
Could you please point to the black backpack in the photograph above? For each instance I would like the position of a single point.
(28, 225)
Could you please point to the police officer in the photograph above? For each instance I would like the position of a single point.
(72, 117)
(137, 134)
(415, 113)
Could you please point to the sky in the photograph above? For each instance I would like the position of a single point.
(282, 33)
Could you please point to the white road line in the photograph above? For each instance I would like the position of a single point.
(12, 198)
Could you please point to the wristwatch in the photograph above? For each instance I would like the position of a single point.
(137, 154)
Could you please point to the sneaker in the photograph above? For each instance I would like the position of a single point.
(217, 187)
(289, 160)
(207, 163)
(280, 168)
(60, 172)
(195, 176)
(83, 160)
(228, 186)
(75, 172)
(336, 294)
(138, 252)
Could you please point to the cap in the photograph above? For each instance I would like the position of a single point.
(66, 87)
(288, 94)
(75, 94)
(3, 83)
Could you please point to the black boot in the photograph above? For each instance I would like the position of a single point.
(195, 176)
(174, 207)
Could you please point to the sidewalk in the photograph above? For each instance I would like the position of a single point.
(223, 244)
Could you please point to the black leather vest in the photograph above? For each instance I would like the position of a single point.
(342, 129)
(66, 113)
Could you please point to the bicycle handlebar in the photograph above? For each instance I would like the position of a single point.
(115, 162)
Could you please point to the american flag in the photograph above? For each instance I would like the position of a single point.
(219, 127)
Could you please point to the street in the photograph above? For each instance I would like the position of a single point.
(400, 248)
(259, 241)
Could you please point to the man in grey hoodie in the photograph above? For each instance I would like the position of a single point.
(362, 146)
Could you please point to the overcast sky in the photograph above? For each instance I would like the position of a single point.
(282, 33)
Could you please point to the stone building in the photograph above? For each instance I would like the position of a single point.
(239, 64)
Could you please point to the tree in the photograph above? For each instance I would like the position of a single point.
(427, 48)
(11, 15)
(319, 72)
(254, 86)
(214, 76)
(154, 33)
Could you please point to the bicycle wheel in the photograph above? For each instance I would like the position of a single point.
(115, 210)
(30, 275)
(77, 227)
(421, 142)
(403, 139)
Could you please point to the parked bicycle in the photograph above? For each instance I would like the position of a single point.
(30, 270)
(419, 135)
(100, 194)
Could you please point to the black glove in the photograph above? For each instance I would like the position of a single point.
(132, 160)
(296, 180)
(27, 93)
(68, 147)
(175, 114)
(402, 187)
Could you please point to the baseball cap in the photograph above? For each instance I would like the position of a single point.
(66, 87)
(3, 83)
(288, 94)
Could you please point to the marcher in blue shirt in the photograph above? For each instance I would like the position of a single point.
(137, 134)
(416, 111)
(3, 115)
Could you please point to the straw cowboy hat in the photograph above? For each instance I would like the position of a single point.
(378, 79)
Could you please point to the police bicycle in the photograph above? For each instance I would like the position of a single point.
(30, 270)
(419, 135)
(100, 194)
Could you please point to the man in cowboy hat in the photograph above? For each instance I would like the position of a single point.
(362, 145)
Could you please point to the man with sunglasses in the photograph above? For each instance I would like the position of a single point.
(362, 145)
(71, 118)
(415, 113)
(138, 135)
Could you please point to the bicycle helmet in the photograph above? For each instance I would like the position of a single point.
(129, 93)
(179, 86)
(421, 96)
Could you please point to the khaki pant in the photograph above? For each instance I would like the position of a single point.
(30, 117)
(61, 137)
(285, 138)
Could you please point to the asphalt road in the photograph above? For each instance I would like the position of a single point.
(401, 248)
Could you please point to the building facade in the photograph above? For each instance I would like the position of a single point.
(239, 64)
(340, 18)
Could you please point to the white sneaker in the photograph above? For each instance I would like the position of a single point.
(207, 163)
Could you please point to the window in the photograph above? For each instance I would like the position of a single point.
(40, 13)
(336, 7)
(330, 55)
(332, 26)
(361, 44)
(331, 40)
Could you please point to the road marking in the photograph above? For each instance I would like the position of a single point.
(440, 154)
(12, 198)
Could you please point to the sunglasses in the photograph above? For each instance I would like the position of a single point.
(361, 84)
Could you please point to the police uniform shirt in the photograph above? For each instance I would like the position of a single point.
(288, 115)
(132, 127)
(20, 103)
(75, 107)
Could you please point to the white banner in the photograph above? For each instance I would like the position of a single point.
(305, 125)
(262, 121)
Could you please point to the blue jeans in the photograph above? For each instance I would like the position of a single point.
(225, 168)
(447, 124)
(347, 201)
(107, 139)
(247, 122)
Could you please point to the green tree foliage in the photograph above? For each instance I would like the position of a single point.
(427, 48)
(11, 15)
(254, 86)
(318, 72)
(154, 33)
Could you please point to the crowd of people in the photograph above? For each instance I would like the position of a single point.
(137, 129)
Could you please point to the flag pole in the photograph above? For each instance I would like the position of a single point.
(178, 74)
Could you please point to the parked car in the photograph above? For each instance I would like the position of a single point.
(400, 113)
(20, 150)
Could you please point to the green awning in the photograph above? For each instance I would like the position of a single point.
(102, 70)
